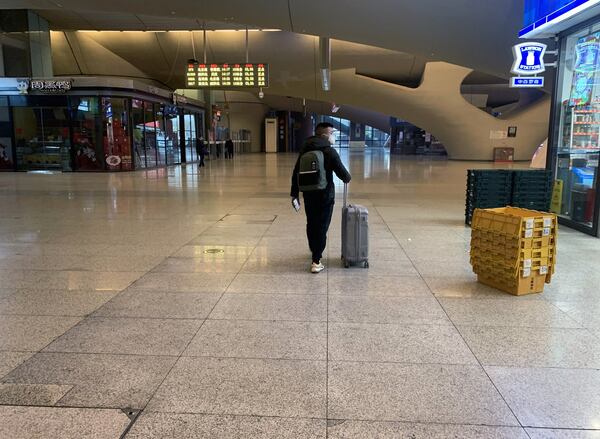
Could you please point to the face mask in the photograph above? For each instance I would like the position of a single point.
(331, 139)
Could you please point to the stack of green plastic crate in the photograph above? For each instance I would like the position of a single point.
(532, 189)
(487, 188)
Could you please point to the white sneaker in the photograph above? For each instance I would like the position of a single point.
(316, 268)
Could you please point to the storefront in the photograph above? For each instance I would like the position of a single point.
(574, 142)
(94, 124)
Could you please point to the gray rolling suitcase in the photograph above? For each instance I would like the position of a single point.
(355, 233)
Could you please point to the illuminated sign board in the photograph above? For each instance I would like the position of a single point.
(529, 58)
(524, 82)
(544, 18)
(238, 75)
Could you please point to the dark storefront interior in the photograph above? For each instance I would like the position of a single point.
(95, 133)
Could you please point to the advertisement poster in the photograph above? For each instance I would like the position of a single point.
(584, 70)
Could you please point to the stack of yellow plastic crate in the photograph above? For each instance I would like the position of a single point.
(514, 249)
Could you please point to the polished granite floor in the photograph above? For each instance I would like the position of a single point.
(177, 304)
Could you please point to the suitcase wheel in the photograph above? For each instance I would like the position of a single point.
(366, 264)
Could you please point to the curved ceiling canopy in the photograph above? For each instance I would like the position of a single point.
(472, 33)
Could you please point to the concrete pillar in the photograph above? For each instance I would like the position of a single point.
(305, 130)
(26, 47)
(1, 61)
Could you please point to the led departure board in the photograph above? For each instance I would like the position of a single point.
(227, 75)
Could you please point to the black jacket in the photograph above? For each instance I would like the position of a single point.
(333, 163)
(200, 147)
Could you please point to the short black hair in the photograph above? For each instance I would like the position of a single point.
(320, 128)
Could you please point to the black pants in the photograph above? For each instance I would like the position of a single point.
(318, 217)
(201, 161)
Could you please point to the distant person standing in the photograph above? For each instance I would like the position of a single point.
(201, 151)
(229, 149)
(313, 175)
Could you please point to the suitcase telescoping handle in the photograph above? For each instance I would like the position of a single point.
(345, 194)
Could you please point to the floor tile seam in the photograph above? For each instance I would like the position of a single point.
(180, 356)
(190, 272)
(265, 320)
(281, 293)
(566, 313)
(177, 360)
(479, 325)
(67, 407)
(73, 386)
(227, 357)
(379, 275)
(449, 324)
(12, 351)
(358, 419)
(235, 415)
(399, 324)
(131, 284)
(70, 270)
(175, 251)
(322, 361)
(405, 363)
(369, 295)
(159, 291)
(56, 338)
(51, 291)
(507, 298)
(80, 316)
(479, 362)
(123, 354)
(459, 333)
(404, 251)
(293, 294)
(542, 367)
(571, 328)
(131, 423)
(412, 322)
(562, 428)
(322, 294)
(99, 316)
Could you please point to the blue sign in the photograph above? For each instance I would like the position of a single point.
(529, 59)
(531, 82)
(541, 12)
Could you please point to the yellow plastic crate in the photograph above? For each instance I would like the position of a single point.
(514, 221)
(494, 240)
(508, 244)
(512, 265)
(498, 269)
(518, 287)
(483, 248)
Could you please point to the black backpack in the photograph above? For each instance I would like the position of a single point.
(311, 172)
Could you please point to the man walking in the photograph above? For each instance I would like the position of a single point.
(201, 151)
(229, 148)
(313, 175)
